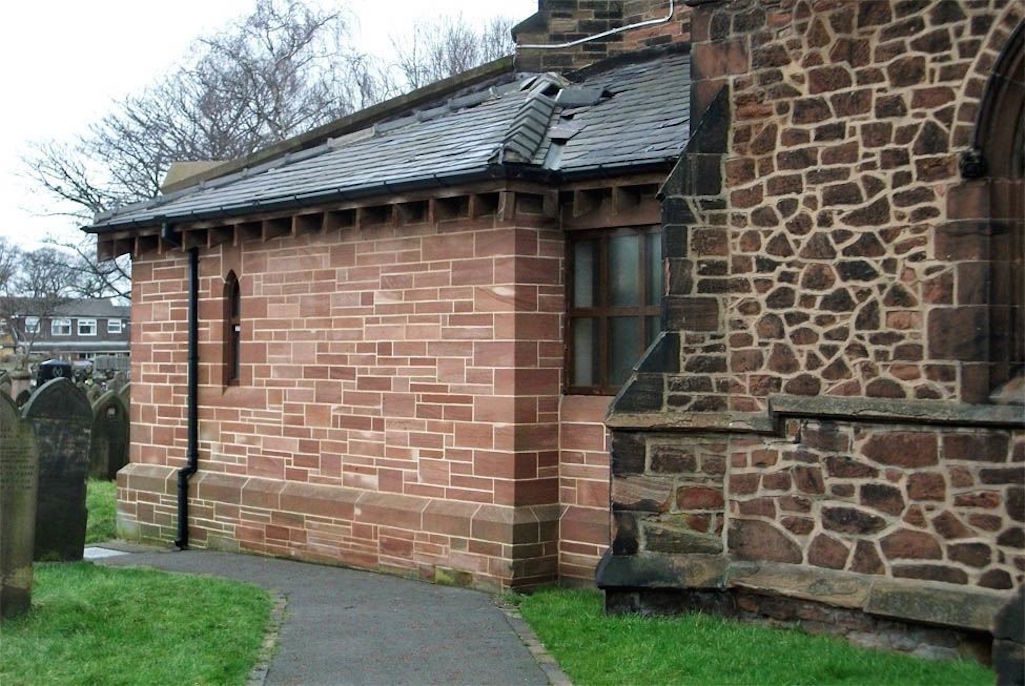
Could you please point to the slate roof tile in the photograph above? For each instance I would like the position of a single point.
(638, 116)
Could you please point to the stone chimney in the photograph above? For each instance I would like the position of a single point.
(564, 21)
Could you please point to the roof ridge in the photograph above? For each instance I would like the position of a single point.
(529, 127)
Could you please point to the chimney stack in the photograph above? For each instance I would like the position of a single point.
(566, 21)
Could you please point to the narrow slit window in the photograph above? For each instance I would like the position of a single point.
(232, 330)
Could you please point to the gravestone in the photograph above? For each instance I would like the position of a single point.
(18, 472)
(118, 382)
(21, 382)
(108, 448)
(53, 369)
(61, 419)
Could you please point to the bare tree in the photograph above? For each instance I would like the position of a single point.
(278, 72)
(37, 285)
(282, 70)
(8, 265)
(449, 46)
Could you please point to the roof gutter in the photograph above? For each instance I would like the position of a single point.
(522, 172)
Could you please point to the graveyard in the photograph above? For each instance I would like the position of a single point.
(68, 621)
(690, 336)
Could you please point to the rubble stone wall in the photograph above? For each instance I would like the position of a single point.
(844, 254)
(899, 501)
(819, 404)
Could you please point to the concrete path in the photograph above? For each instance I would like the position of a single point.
(343, 626)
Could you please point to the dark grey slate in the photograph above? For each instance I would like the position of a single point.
(640, 121)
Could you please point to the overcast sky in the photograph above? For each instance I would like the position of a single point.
(66, 61)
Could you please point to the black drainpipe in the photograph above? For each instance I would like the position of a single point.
(192, 448)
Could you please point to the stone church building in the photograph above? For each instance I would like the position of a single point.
(724, 308)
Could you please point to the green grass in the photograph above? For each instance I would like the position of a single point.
(100, 501)
(99, 625)
(699, 649)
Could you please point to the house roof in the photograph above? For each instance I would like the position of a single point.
(93, 307)
(85, 307)
(627, 117)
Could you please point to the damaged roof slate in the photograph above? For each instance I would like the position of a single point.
(632, 115)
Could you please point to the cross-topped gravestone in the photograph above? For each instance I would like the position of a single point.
(62, 420)
(108, 450)
(18, 474)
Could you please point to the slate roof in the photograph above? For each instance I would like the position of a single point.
(84, 307)
(630, 116)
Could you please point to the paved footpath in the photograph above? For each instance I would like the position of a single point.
(343, 626)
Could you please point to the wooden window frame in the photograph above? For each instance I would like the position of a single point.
(603, 311)
(232, 330)
(61, 321)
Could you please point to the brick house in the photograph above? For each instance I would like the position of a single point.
(78, 329)
(410, 323)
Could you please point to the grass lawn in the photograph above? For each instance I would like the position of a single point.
(100, 501)
(98, 625)
(700, 649)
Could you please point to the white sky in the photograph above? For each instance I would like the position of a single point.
(66, 61)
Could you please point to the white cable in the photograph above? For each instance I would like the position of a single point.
(649, 22)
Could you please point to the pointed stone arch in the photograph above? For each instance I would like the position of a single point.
(1000, 136)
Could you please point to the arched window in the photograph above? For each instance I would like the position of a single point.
(232, 330)
(1001, 137)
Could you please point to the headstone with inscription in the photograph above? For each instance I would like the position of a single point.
(18, 474)
(108, 450)
(61, 419)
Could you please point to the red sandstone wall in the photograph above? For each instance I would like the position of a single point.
(399, 405)
(583, 486)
